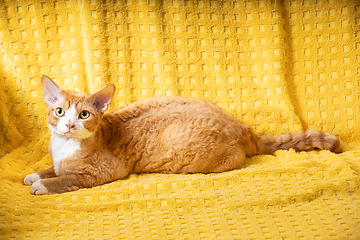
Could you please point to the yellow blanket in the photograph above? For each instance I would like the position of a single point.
(276, 65)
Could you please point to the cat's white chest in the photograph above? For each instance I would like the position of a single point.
(62, 148)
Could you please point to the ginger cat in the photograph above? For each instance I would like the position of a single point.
(161, 134)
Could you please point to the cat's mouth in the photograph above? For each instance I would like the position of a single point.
(78, 134)
(68, 133)
(72, 130)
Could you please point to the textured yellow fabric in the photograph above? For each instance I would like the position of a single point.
(276, 65)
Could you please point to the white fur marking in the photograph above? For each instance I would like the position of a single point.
(71, 115)
(62, 147)
(31, 178)
(38, 188)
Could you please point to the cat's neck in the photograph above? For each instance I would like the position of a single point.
(62, 147)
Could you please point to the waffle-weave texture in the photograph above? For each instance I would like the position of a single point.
(276, 65)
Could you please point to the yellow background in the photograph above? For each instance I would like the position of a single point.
(276, 65)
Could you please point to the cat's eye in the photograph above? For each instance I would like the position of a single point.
(84, 115)
(59, 112)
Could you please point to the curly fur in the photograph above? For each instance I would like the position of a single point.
(161, 134)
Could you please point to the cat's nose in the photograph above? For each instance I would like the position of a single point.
(70, 125)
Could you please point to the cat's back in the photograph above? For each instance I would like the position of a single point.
(166, 107)
(151, 116)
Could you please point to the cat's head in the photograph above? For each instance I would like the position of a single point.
(72, 114)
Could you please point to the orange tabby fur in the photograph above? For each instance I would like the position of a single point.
(161, 134)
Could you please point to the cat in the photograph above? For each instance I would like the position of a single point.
(157, 135)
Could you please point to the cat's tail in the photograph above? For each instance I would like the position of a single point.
(300, 141)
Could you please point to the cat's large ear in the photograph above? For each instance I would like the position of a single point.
(51, 91)
(101, 99)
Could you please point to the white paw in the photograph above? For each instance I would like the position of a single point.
(31, 178)
(38, 188)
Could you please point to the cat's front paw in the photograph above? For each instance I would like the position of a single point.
(38, 188)
(31, 178)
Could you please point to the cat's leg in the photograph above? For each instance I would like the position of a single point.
(47, 173)
(72, 182)
(229, 162)
(220, 162)
(82, 173)
(64, 183)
